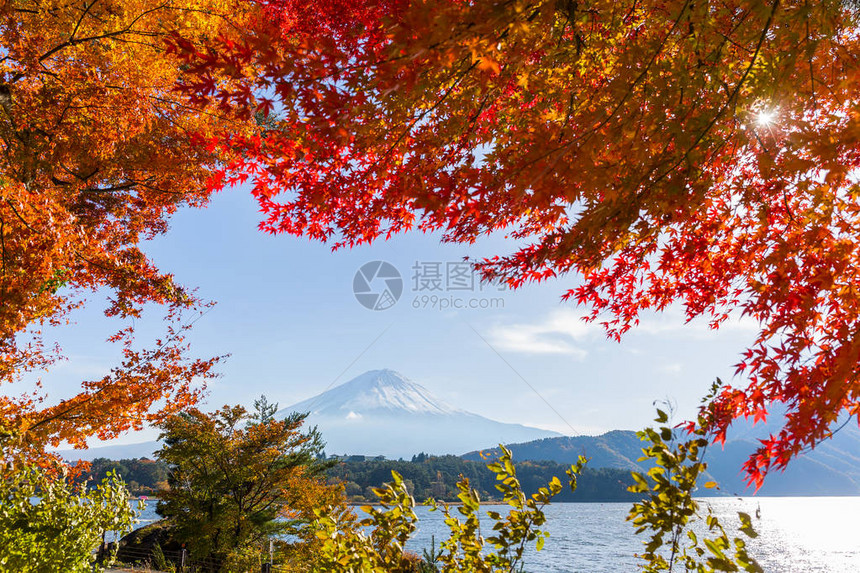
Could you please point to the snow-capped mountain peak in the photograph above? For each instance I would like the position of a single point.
(383, 412)
(374, 391)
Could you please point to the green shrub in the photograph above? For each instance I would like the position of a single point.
(348, 546)
(669, 510)
(48, 524)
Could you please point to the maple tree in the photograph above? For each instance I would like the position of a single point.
(669, 151)
(95, 154)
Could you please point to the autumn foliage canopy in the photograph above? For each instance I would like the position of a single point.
(95, 153)
(701, 153)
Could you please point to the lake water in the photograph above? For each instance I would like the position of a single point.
(796, 535)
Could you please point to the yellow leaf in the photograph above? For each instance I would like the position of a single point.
(489, 64)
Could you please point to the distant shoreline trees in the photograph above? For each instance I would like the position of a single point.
(437, 476)
(433, 476)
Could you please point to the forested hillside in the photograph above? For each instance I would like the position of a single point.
(426, 476)
(142, 476)
(432, 476)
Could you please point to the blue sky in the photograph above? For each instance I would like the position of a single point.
(288, 317)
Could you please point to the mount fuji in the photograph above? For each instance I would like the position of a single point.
(381, 412)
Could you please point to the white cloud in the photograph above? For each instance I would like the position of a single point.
(564, 331)
(671, 368)
(559, 333)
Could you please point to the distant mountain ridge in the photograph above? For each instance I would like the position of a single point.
(832, 468)
(381, 412)
(113, 452)
(615, 449)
